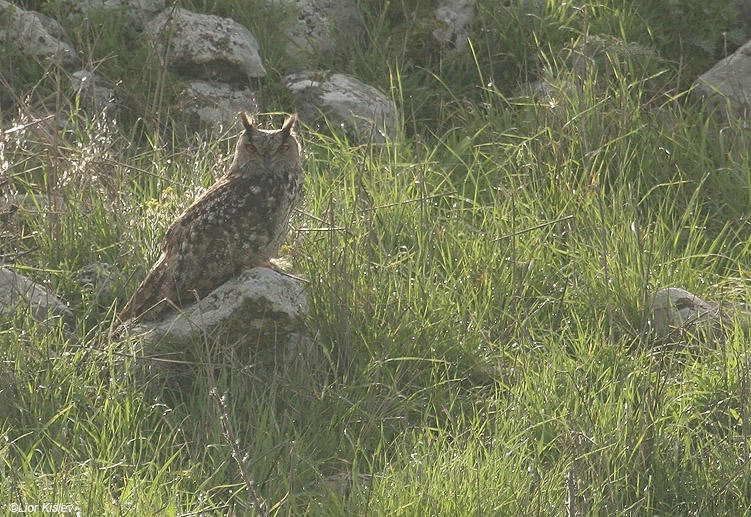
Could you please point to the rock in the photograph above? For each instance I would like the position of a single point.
(547, 91)
(366, 113)
(344, 16)
(454, 18)
(607, 56)
(35, 34)
(341, 483)
(18, 292)
(727, 85)
(676, 314)
(132, 13)
(260, 310)
(204, 46)
(312, 26)
(93, 97)
(212, 105)
(103, 280)
(306, 29)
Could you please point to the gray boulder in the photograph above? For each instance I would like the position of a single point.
(366, 113)
(344, 15)
(35, 34)
(101, 281)
(727, 85)
(454, 18)
(18, 292)
(677, 314)
(92, 95)
(214, 106)
(204, 46)
(260, 310)
(312, 26)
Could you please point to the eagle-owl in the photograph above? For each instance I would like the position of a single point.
(238, 223)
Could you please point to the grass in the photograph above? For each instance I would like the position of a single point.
(479, 288)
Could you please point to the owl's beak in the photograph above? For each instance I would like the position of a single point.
(266, 159)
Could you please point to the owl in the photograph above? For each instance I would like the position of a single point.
(237, 224)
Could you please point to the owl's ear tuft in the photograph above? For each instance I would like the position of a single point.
(290, 125)
(247, 120)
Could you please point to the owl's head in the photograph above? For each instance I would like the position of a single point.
(262, 150)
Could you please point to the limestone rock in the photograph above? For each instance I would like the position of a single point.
(454, 18)
(212, 105)
(307, 28)
(547, 91)
(344, 15)
(35, 34)
(676, 314)
(313, 25)
(204, 46)
(366, 113)
(259, 310)
(134, 13)
(101, 279)
(18, 292)
(729, 83)
(93, 96)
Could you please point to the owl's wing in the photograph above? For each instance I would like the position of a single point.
(236, 213)
(150, 297)
(180, 229)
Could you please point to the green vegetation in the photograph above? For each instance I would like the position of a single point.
(479, 286)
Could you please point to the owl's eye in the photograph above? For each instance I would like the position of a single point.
(283, 148)
(250, 148)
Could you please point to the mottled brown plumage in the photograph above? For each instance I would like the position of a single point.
(239, 223)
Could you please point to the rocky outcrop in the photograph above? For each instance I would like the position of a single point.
(454, 18)
(259, 311)
(92, 95)
(727, 85)
(102, 282)
(35, 34)
(214, 105)
(344, 17)
(225, 54)
(366, 113)
(217, 56)
(677, 315)
(19, 293)
(206, 47)
(313, 26)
